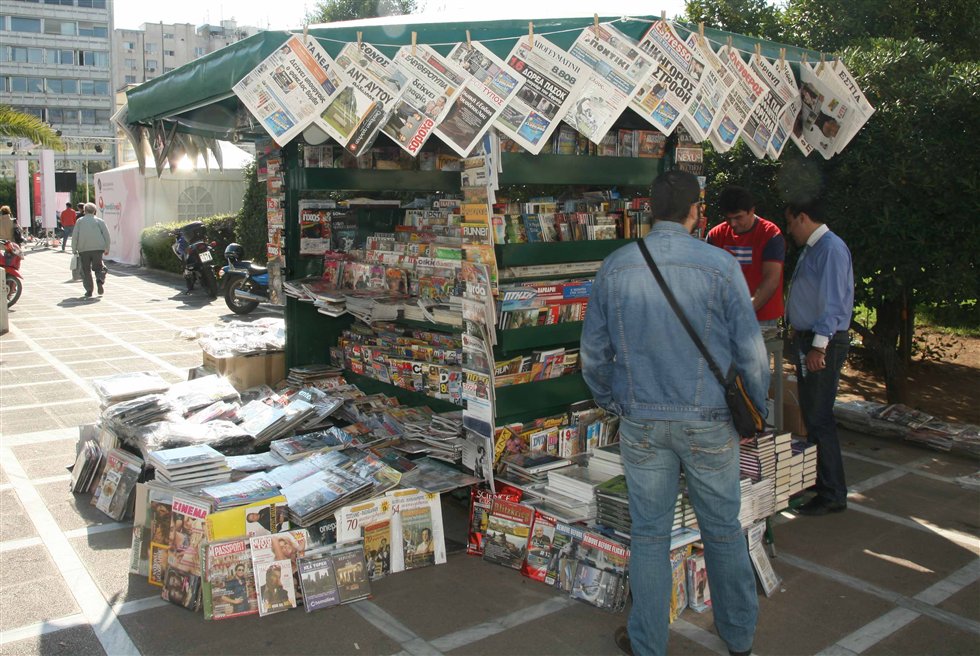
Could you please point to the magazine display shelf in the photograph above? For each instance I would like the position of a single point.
(520, 403)
(519, 339)
(556, 252)
(407, 397)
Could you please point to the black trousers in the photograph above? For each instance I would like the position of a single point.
(91, 261)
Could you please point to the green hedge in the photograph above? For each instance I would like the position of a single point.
(156, 241)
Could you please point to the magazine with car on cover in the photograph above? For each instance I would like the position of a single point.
(508, 530)
(228, 588)
(317, 575)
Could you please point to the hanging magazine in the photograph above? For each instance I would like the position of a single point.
(667, 94)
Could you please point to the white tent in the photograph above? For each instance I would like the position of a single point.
(129, 202)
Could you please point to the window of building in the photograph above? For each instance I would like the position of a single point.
(167, 69)
(100, 30)
(151, 64)
(53, 85)
(130, 79)
(4, 87)
(129, 63)
(168, 35)
(33, 111)
(63, 86)
(71, 116)
(21, 24)
(170, 53)
(194, 202)
(129, 45)
(64, 28)
(26, 55)
(92, 4)
(102, 116)
(150, 47)
(88, 116)
(200, 52)
(19, 84)
(93, 58)
(66, 3)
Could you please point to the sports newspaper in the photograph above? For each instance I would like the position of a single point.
(704, 114)
(740, 102)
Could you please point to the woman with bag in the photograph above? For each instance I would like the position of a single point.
(90, 241)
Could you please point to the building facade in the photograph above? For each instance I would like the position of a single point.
(56, 63)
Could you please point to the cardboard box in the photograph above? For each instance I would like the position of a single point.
(245, 371)
(792, 416)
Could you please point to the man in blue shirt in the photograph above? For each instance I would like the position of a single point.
(821, 301)
(642, 365)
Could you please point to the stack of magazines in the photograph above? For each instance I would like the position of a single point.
(606, 461)
(240, 493)
(315, 375)
(371, 307)
(190, 396)
(122, 387)
(301, 446)
(267, 422)
(139, 411)
(318, 496)
(612, 505)
(113, 492)
(87, 463)
(190, 467)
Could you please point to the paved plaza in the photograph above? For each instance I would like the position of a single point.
(898, 573)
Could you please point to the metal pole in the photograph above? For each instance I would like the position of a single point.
(85, 167)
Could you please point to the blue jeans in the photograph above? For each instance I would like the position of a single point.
(653, 453)
(818, 391)
(66, 236)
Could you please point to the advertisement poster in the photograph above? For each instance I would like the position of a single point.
(431, 86)
(742, 98)
(355, 115)
(552, 82)
(287, 91)
(617, 68)
(488, 88)
(666, 96)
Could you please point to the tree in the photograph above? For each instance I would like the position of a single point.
(27, 126)
(331, 11)
(757, 18)
(251, 230)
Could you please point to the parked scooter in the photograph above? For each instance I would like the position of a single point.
(197, 256)
(10, 257)
(246, 284)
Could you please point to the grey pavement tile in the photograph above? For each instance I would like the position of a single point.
(927, 636)
(3, 476)
(856, 470)
(945, 505)
(881, 448)
(491, 591)
(97, 353)
(69, 345)
(966, 602)
(949, 465)
(136, 364)
(15, 524)
(337, 630)
(46, 458)
(10, 345)
(106, 557)
(31, 589)
(75, 641)
(18, 422)
(35, 393)
(890, 555)
(38, 374)
(22, 359)
(91, 370)
(70, 511)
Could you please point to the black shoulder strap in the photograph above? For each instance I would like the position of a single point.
(679, 312)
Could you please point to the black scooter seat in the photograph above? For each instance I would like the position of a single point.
(255, 270)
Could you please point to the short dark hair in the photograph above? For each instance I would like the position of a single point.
(735, 199)
(813, 207)
(672, 194)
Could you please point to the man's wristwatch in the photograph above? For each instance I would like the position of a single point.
(819, 350)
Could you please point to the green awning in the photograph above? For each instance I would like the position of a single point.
(199, 97)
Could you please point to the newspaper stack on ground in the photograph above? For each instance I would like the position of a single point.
(190, 467)
(122, 387)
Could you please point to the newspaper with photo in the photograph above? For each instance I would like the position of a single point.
(418, 537)
(826, 114)
(617, 68)
(290, 87)
(784, 124)
(837, 75)
(760, 129)
(431, 86)
(489, 85)
(552, 82)
(740, 102)
(355, 115)
(666, 96)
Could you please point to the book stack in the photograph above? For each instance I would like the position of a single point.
(757, 457)
(803, 472)
(87, 464)
(113, 492)
(239, 493)
(758, 500)
(530, 472)
(612, 505)
(606, 460)
(301, 446)
(190, 467)
(783, 477)
(574, 489)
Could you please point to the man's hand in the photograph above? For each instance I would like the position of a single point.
(105, 252)
(816, 359)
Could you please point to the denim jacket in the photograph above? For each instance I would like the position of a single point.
(637, 358)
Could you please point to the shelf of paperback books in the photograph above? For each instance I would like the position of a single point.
(524, 168)
(556, 252)
(406, 397)
(519, 339)
(519, 403)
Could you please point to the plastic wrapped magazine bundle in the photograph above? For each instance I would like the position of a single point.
(122, 387)
(191, 395)
(223, 436)
(237, 337)
(137, 412)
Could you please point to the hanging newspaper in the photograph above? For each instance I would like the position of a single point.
(489, 86)
(552, 81)
(290, 88)
(838, 75)
(666, 95)
(784, 125)
(431, 86)
(824, 114)
(617, 68)
(740, 102)
(355, 115)
(705, 112)
(761, 126)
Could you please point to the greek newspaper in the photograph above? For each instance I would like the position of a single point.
(761, 126)
(705, 112)
(838, 76)
(825, 115)
(740, 102)
(784, 125)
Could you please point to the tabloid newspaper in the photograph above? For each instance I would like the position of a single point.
(826, 114)
(229, 585)
(552, 82)
(431, 86)
(617, 68)
(761, 126)
(290, 88)
(666, 95)
(784, 125)
(741, 100)
(355, 115)
(488, 86)
(837, 75)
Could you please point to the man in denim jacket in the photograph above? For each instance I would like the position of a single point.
(642, 365)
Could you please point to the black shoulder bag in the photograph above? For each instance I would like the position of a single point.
(746, 417)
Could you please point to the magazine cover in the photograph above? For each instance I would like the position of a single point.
(377, 549)
(181, 588)
(158, 563)
(276, 591)
(507, 535)
(187, 531)
(228, 585)
(564, 555)
(417, 518)
(260, 518)
(318, 580)
(539, 547)
(352, 580)
(282, 549)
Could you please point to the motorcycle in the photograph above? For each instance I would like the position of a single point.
(246, 284)
(197, 256)
(10, 260)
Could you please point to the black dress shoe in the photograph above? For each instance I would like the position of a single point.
(747, 652)
(622, 638)
(101, 289)
(818, 506)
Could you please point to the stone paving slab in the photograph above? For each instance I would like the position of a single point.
(75, 641)
(31, 589)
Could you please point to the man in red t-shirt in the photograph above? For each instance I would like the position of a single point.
(759, 247)
(68, 218)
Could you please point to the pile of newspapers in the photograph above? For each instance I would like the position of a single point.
(122, 387)
(190, 467)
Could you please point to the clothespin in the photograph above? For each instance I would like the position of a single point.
(595, 21)
(729, 43)
(782, 55)
(701, 33)
(834, 65)
(820, 65)
(306, 34)
(803, 59)
(530, 34)
(758, 50)
(469, 44)
(414, 38)
(359, 35)
(663, 16)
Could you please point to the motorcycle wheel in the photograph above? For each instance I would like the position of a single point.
(14, 288)
(210, 282)
(238, 305)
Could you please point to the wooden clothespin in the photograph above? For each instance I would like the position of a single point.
(820, 65)
(701, 33)
(359, 36)
(530, 34)
(782, 55)
(306, 34)
(469, 43)
(595, 21)
(729, 43)
(833, 66)
(415, 37)
(803, 58)
(758, 50)
(663, 16)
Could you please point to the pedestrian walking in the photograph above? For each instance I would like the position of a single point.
(68, 218)
(91, 241)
